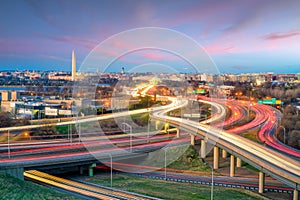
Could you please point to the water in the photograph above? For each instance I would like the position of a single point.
(12, 88)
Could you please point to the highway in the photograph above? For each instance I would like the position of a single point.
(266, 119)
(199, 176)
(86, 190)
(78, 151)
(274, 163)
(267, 133)
(174, 102)
(41, 150)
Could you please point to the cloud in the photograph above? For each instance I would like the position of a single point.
(157, 56)
(84, 42)
(55, 58)
(276, 36)
(217, 49)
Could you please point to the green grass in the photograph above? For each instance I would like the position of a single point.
(189, 160)
(250, 166)
(13, 188)
(63, 129)
(140, 119)
(170, 190)
(251, 135)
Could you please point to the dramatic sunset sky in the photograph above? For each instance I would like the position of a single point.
(240, 36)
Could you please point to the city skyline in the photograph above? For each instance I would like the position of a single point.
(240, 37)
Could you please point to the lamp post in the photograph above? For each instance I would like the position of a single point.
(212, 182)
(165, 163)
(212, 176)
(8, 147)
(110, 170)
(110, 156)
(149, 121)
(283, 133)
(78, 128)
(249, 109)
(212, 179)
(71, 133)
(235, 117)
(26, 134)
(130, 132)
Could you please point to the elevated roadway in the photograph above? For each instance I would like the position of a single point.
(279, 166)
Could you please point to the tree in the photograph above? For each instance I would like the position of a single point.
(46, 132)
(297, 126)
(6, 121)
(294, 138)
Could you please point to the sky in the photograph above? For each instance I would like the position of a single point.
(239, 36)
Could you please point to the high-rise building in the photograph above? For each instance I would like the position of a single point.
(73, 65)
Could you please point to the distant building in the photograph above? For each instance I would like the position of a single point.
(36, 109)
(285, 77)
(60, 76)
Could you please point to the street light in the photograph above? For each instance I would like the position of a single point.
(212, 178)
(283, 133)
(70, 133)
(78, 125)
(130, 132)
(235, 115)
(165, 150)
(249, 109)
(110, 156)
(8, 147)
(149, 121)
(26, 134)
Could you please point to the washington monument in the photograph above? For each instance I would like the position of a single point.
(73, 65)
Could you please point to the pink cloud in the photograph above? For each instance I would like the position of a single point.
(217, 49)
(18, 44)
(158, 56)
(84, 42)
(54, 58)
(276, 36)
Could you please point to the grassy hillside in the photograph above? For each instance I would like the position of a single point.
(13, 188)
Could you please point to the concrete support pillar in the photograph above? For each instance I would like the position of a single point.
(261, 183)
(203, 149)
(177, 133)
(192, 140)
(232, 165)
(224, 154)
(216, 157)
(296, 195)
(238, 162)
(91, 169)
(166, 127)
